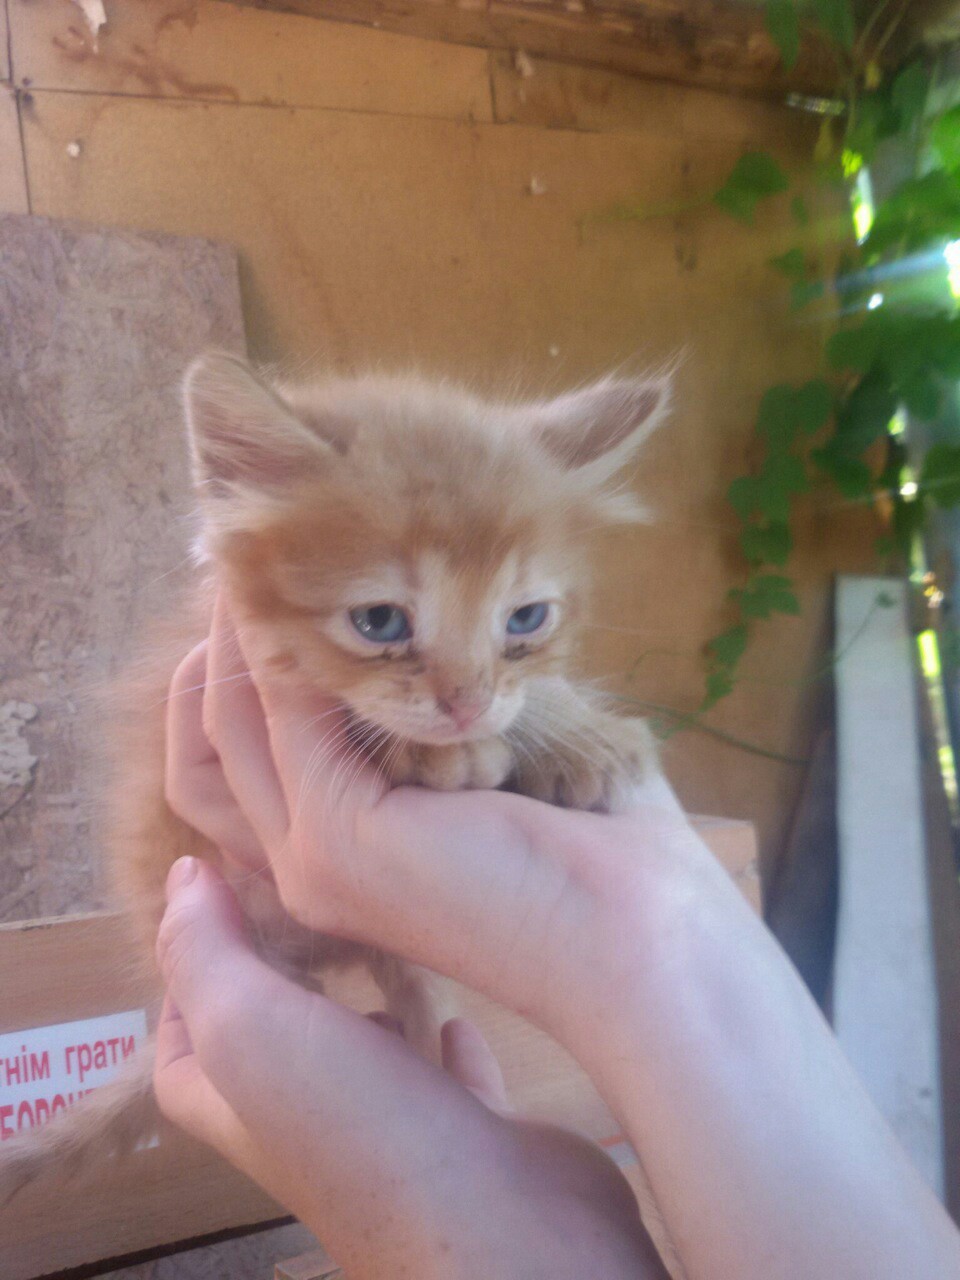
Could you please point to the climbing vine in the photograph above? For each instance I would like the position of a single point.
(894, 357)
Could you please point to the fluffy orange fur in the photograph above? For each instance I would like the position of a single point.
(326, 509)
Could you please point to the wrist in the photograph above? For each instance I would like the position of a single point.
(633, 886)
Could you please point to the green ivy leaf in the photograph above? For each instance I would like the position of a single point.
(719, 684)
(908, 520)
(918, 213)
(783, 24)
(865, 415)
(799, 211)
(909, 93)
(836, 18)
(945, 138)
(767, 544)
(940, 478)
(792, 264)
(743, 496)
(755, 176)
(767, 594)
(785, 410)
(922, 395)
(854, 348)
(782, 476)
(813, 404)
(805, 292)
(728, 648)
(851, 475)
(777, 419)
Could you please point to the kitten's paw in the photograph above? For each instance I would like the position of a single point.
(597, 771)
(459, 766)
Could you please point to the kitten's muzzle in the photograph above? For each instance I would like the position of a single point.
(464, 711)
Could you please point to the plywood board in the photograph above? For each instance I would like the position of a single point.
(218, 51)
(377, 240)
(13, 178)
(98, 327)
(884, 979)
(63, 970)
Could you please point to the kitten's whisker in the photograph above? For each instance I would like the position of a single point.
(207, 684)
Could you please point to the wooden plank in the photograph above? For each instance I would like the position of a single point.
(706, 42)
(562, 95)
(58, 971)
(884, 989)
(942, 850)
(13, 178)
(98, 328)
(216, 51)
(376, 240)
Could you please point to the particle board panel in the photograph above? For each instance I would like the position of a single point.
(13, 178)
(377, 240)
(54, 971)
(98, 327)
(219, 51)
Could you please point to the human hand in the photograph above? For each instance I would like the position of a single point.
(399, 1167)
(521, 895)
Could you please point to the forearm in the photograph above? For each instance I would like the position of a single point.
(766, 1158)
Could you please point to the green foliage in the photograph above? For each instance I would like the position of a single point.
(766, 594)
(921, 212)
(945, 139)
(783, 23)
(836, 19)
(899, 353)
(755, 176)
(940, 478)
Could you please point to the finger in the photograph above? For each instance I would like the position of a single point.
(196, 788)
(311, 741)
(387, 1021)
(469, 1059)
(212, 974)
(234, 722)
(184, 1093)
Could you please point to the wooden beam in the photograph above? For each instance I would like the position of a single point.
(884, 976)
(715, 43)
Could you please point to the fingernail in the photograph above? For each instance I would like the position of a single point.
(180, 875)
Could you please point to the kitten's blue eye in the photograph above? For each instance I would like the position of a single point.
(526, 620)
(381, 623)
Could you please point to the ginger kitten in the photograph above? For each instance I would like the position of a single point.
(420, 554)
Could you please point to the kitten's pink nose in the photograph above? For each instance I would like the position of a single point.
(463, 711)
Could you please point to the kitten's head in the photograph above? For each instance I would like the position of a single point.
(411, 549)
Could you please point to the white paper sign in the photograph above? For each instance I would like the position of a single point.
(47, 1069)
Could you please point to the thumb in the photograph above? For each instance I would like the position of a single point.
(209, 967)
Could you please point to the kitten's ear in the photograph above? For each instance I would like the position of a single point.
(241, 432)
(601, 426)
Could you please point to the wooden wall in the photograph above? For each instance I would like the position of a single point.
(380, 192)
